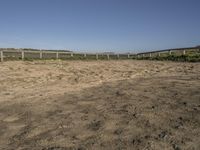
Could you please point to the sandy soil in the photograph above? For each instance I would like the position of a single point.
(58, 105)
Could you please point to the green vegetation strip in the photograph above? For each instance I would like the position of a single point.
(181, 58)
(190, 56)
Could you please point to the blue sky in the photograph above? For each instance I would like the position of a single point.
(100, 25)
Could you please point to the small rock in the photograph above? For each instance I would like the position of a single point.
(176, 147)
(163, 134)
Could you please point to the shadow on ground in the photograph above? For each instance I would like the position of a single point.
(142, 113)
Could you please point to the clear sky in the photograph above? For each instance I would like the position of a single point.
(100, 25)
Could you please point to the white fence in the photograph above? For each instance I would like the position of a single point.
(44, 54)
(26, 54)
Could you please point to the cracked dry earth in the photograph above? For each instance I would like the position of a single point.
(79, 105)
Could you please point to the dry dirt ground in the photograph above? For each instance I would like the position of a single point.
(78, 105)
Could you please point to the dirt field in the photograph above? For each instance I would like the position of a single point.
(58, 105)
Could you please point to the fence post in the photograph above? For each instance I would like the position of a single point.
(72, 55)
(128, 55)
(149, 54)
(159, 54)
(97, 57)
(183, 52)
(85, 55)
(170, 52)
(57, 55)
(108, 56)
(118, 56)
(1, 56)
(40, 54)
(22, 55)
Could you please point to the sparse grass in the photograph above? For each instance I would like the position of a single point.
(180, 58)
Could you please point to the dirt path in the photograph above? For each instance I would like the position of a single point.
(99, 105)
